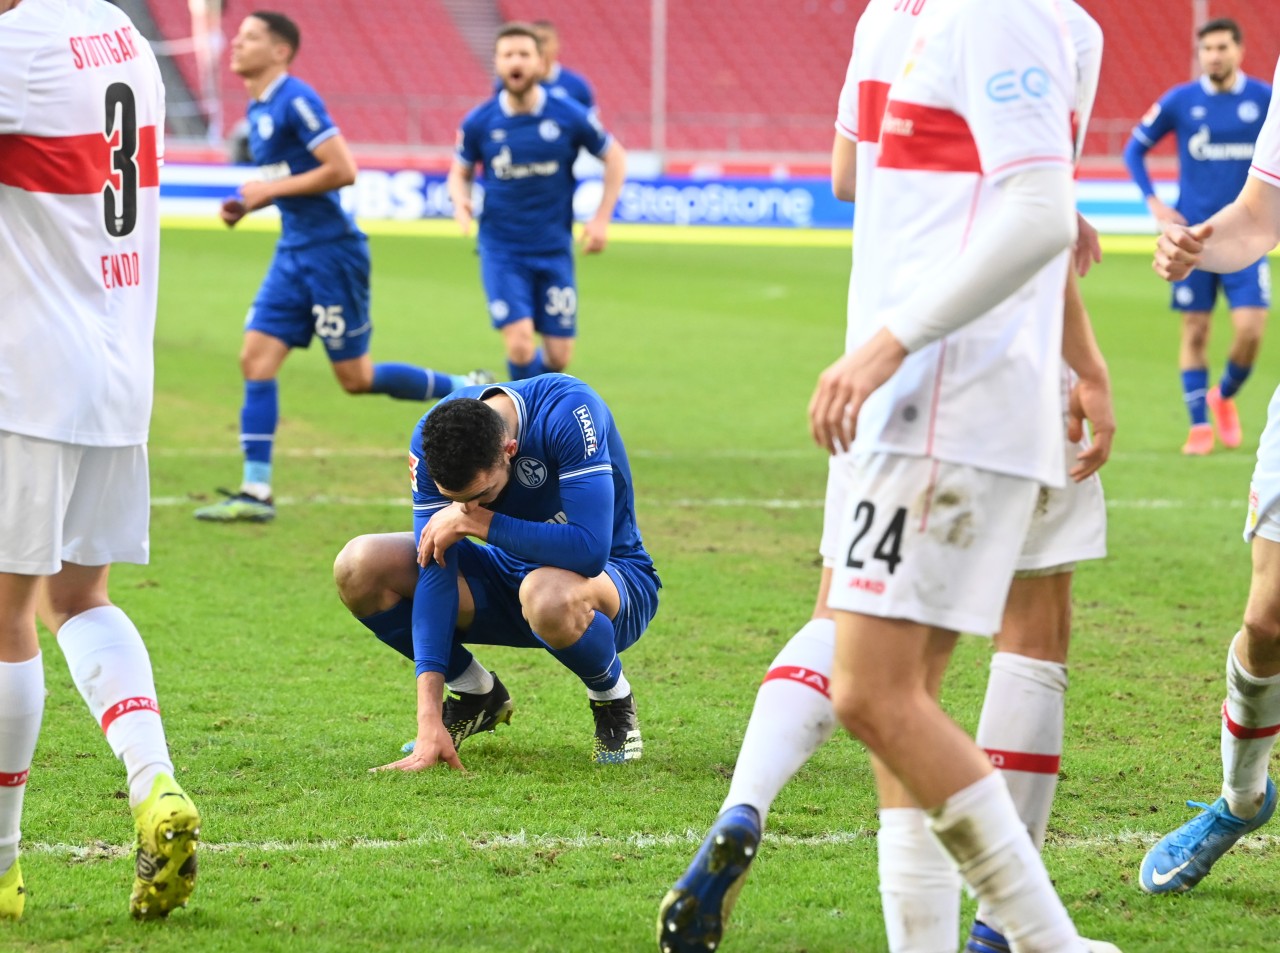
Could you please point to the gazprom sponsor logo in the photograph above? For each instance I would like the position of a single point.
(1200, 147)
(715, 203)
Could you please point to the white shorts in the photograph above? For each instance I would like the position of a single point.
(1069, 525)
(839, 474)
(1264, 489)
(932, 542)
(69, 503)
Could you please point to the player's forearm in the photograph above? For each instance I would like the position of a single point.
(1244, 231)
(459, 184)
(430, 704)
(575, 547)
(323, 178)
(1079, 345)
(1033, 221)
(435, 616)
(1135, 160)
(615, 176)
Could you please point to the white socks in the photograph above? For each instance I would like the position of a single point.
(476, 680)
(1250, 723)
(621, 689)
(979, 828)
(919, 886)
(112, 670)
(22, 693)
(791, 719)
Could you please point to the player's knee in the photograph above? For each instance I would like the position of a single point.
(1262, 627)
(520, 351)
(858, 710)
(553, 609)
(355, 573)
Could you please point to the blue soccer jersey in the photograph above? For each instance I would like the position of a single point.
(1216, 132)
(563, 83)
(569, 502)
(285, 125)
(527, 161)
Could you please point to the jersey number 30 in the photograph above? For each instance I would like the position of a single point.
(120, 206)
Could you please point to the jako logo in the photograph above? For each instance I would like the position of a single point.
(588, 429)
(873, 586)
(1007, 85)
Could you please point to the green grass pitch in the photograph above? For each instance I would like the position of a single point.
(276, 702)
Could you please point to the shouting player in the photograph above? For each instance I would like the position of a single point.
(1239, 234)
(318, 282)
(81, 142)
(527, 140)
(1216, 120)
(537, 469)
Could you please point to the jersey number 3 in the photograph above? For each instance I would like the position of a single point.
(120, 206)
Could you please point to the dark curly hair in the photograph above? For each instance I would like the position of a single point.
(461, 438)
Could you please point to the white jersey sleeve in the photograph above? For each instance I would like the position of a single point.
(17, 50)
(847, 107)
(1266, 155)
(1086, 37)
(1015, 84)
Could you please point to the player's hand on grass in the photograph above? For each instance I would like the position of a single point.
(1091, 400)
(1088, 250)
(844, 387)
(232, 211)
(1163, 213)
(595, 235)
(433, 748)
(445, 528)
(1178, 250)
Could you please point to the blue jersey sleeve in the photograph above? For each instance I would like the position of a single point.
(591, 135)
(309, 120)
(467, 149)
(435, 598)
(1154, 126)
(581, 544)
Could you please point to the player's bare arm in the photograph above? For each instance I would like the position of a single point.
(461, 175)
(337, 169)
(595, 234)
(1240, 234)
(1091, 397)
(844, 168)
(433, 745)
(1088, 246)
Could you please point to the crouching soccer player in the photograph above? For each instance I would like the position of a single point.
(537, 470)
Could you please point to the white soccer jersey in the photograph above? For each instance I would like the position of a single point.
(1266, 154)
(81, 141)
(880, 43)
(987, 91)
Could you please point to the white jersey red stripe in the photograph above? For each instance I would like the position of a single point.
(81, 142)
(986, 88)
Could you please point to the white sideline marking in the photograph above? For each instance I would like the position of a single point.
(104, 851)
(727, 502)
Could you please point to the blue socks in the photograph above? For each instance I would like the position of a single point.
(593, 658)
(519, 372)
(407, 382)
(1233, 379)
(258, 417)
(394, 627)
(1195, 383)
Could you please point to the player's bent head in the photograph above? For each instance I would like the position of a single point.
(1222, 25)
(461, 440)
(281, 29)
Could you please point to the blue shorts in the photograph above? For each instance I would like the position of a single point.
(494, 578)
(1247, 288)
(541, 287)
(321, 290)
